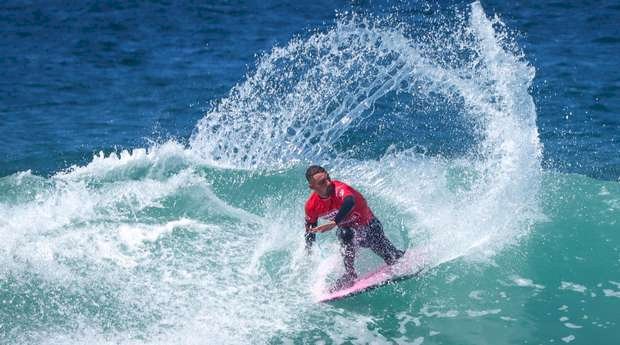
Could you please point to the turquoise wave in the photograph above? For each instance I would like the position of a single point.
(159, 248)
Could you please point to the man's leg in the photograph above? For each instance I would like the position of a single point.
(346, 236)
(376, 240)
(347, 248)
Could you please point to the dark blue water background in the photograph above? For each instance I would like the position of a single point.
(80, 77)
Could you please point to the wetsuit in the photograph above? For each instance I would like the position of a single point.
(357, 226)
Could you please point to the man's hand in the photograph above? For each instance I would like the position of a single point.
(310, 237)
(323, 228)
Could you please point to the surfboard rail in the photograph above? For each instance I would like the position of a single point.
(409, 266)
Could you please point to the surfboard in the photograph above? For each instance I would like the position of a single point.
(409, 266)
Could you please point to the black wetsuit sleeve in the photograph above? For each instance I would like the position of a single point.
(310, 236)
(347, 206)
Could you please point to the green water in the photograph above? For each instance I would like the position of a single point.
(218, 257)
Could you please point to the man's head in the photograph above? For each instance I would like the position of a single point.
(319, 181)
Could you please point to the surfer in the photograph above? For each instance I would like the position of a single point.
(345, 208)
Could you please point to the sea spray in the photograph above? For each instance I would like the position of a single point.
(303, 97)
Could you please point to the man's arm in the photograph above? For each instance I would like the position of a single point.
(310, 236)
(345, 208)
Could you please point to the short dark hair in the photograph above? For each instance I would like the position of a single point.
(312, 170)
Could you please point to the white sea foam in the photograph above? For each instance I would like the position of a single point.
(478, 313)
(476, 294)
(572, 325)
(524, 282)
(611, 293)
(572, 287)
(568, 338)
(437, 311)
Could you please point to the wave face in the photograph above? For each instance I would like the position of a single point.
(202, 244)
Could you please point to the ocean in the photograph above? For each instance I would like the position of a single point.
(153, 156)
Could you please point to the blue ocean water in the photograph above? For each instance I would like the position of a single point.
(152, 159)
(78, 79)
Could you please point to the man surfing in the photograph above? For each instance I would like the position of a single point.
(345, 208)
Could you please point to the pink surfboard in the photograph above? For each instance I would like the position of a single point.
(409, 266)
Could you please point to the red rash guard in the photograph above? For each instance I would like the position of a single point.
(316, 207)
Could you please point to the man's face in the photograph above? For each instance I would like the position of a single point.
(321, 183)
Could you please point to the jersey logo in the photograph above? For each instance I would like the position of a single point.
(329, 215)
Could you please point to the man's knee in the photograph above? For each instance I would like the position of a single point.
(375, 234)
(381, 245)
